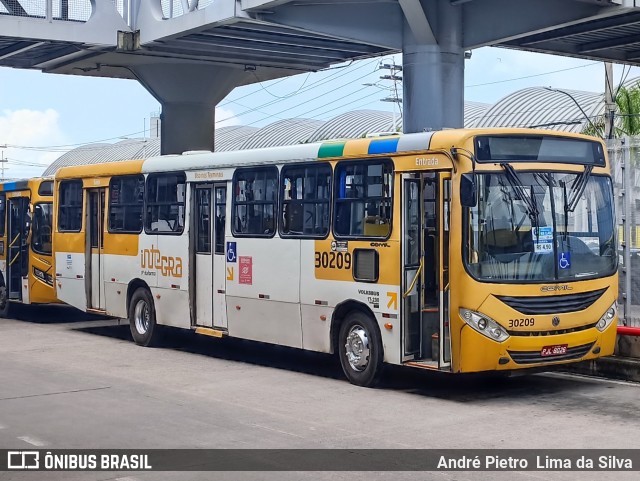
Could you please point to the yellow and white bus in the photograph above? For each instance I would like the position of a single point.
(456, 250)
(26, 260)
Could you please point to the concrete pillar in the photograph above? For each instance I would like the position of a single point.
(433, 74)
(188, 94)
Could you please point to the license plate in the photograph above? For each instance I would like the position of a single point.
(554, 350)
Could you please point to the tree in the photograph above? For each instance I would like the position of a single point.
(627, 116)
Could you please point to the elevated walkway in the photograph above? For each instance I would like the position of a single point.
(191, 53)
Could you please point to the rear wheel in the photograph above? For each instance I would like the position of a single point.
(5, 305)
(142, 318)
(360, 349)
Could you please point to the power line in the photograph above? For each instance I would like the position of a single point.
(531, 76)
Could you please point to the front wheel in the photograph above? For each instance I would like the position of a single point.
(142, 318)
(5, 305)
(360, 349)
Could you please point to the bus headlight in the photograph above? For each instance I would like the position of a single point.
(43, 276)
(484, 325)
(607, 318)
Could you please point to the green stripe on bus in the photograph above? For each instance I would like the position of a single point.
(331, 149)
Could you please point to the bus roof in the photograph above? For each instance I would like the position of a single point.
(330, 149)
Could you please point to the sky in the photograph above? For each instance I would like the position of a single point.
(44, 115)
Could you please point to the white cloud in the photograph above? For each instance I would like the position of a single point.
(225, 118)
(21, 131)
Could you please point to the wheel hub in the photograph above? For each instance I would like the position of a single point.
(357, 348)
(141, 316)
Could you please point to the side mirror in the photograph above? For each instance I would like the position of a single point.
(468, 190)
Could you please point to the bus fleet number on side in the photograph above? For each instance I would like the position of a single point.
(333, 260)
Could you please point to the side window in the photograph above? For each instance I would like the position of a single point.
(203, 220)
(41, 228)
(254, 201)
(165, 196)
(363, 199)
(126, 203)
(220, 214)
(46, 188)
(3, 213)
(306, 196)
(70, 206)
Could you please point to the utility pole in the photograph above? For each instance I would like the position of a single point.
(609, 102)
(2, 162)
(396, 79)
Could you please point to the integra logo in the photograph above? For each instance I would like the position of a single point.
(167, 265)
(563, 287)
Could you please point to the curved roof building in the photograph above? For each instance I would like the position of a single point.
(539, 107)
(533, 107)
(283, 132)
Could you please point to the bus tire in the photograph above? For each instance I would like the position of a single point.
(5, 304)
(360, 349)
(142, 318)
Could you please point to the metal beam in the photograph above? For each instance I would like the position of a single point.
(485, 27)
(610, 43)
(18, 48)
(14, 8)
(586, 27)
(284, 38)
(418, 22)
(254, 48)
(233, 58)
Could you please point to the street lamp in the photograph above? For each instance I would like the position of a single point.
(575, 102)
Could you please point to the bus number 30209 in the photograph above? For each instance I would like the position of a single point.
(333, 260)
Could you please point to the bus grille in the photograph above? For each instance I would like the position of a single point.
(531, 357)
(551, 333)
(552, 304)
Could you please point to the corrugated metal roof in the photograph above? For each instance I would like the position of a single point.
(283, 132)
(354, 124)
(232, 137)
(99, 153)
(473, 111)
(544, 108)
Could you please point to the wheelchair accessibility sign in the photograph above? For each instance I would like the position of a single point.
(231, 252)
(564, 260)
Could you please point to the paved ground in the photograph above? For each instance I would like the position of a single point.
(71, 381)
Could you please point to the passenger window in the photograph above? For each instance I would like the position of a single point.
(203, 220)
(70, 206)
(306, 195)
(165, 195)
(363, 199)
(254, 201)
(126, 203)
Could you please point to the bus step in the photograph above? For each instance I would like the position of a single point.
(426, 364)
(96, 311)
(207, 331)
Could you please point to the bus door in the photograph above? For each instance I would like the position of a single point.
(95, 249)
(18, 250)
(425, 267)
(209, 284)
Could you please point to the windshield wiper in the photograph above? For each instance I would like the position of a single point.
(577, 189)
(528, 198)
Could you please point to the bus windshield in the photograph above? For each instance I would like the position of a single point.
(541, 227)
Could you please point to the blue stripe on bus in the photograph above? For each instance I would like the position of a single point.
(383, 146)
